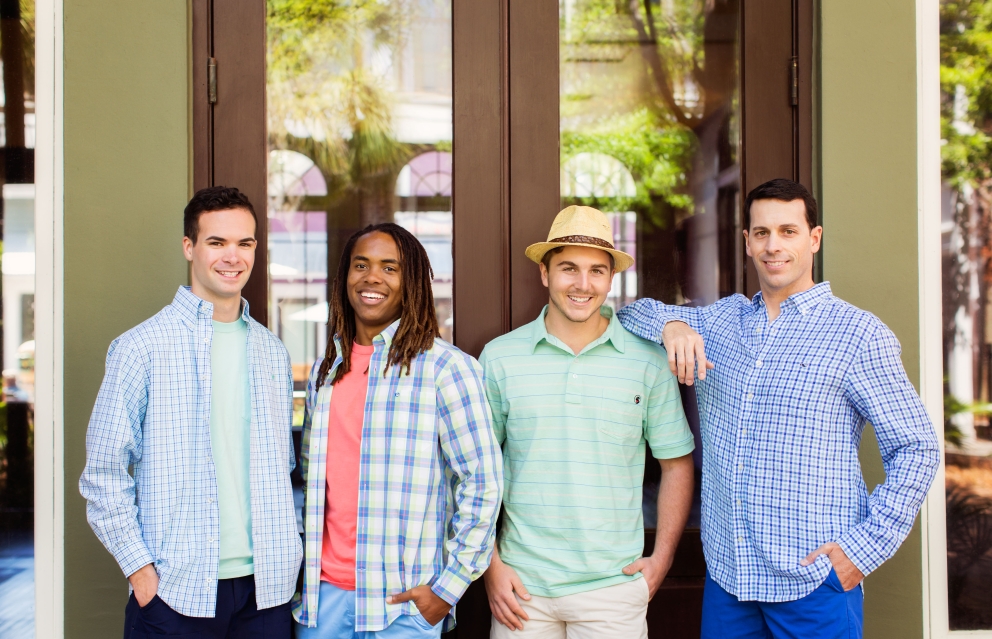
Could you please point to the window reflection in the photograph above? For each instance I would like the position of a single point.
(649, 134)
(359, 121)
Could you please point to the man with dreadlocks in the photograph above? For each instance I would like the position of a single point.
(403, 474)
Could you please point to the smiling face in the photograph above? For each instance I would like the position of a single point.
(375, 285)
(223, 254)
(782, 245)
(578, 280)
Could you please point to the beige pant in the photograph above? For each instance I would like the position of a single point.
(614, 612)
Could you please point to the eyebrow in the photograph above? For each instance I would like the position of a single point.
(224, 239)
(569, 263)
(388, 260)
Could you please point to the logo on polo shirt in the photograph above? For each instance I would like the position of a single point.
(637, 399)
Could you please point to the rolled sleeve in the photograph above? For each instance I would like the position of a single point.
(666, 428)
(879, 389)
(647, 318)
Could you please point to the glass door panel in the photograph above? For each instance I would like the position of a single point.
(359, 102)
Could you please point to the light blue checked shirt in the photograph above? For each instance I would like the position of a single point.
(782, 416)
(431, 479)
(153, 413)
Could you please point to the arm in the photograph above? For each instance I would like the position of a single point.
(878, 388)
(678, 328)
(470, 450)
(674, 502)
(289, 379)
(310, 404)
(113, 442)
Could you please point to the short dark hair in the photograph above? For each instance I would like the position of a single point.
(213, 198)
(784, 191)
(546, 260)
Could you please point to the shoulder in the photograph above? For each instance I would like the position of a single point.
(516, 342)
(266, 338)
(144, 339)
(652, 356)
(853, 320)
(448, 357)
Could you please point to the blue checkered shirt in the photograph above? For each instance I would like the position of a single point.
(782, 416)
(153, 413)
(430, 483)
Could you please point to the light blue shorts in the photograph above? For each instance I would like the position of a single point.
(336, 620)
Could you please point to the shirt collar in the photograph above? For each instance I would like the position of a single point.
(804, 302)
(614, 333)
(190, 307)
(385, 337)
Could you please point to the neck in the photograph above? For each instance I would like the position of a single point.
(576, 335)
(365, 333)
(774, 297)
(226, 309)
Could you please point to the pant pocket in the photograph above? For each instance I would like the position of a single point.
(421, 621)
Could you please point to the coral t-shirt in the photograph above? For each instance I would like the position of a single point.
(344, 449)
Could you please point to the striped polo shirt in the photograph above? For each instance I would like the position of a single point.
(573, 428)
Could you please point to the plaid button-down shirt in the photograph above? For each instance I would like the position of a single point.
(782, 416)
(429, 487)
(153, 412)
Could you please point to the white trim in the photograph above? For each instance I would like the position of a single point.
(49, 558)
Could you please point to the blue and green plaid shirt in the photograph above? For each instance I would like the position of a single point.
(782, 416)
(429, 487)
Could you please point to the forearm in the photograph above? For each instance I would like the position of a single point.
(674, 503)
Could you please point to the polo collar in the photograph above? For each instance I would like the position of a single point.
(191, 308)
(614, 333)
(804, 302)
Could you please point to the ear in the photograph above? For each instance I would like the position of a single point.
(747, 247)
(816, 237)
(188, 249)
(544, 274)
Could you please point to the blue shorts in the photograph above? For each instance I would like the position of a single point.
(826, 613)
(237, 615)
(336, 620)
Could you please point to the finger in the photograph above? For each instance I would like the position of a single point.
(514, 606)
(701, 356)
(690, 366)
(500, 612)
(710, 365)
(672, 364)
(680, 357)
(518, 587)
(511, 612)
(810, 558)
(634, 568)
(400, 598)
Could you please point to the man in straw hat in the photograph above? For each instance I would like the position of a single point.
(574, 398)
(789, 530)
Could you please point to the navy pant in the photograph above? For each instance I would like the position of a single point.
(238, 617)
(826, 613)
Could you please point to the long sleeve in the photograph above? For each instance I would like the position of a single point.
(647, 318)
(879, 389)
(470, 450)
(113, 442)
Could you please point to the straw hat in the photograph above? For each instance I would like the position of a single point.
(581, 226)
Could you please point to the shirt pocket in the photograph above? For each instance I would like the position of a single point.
(620, 414)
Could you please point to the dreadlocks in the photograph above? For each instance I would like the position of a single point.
(418, 321)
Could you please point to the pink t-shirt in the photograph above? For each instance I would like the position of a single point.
(344, 449)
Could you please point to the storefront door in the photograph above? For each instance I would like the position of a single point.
(471, 123)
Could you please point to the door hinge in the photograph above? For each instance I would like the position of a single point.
(794, 80)
(212, 80)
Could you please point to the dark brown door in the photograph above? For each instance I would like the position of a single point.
(661, 117)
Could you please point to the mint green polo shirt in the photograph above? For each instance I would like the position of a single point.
(230, 435)
(573, 428)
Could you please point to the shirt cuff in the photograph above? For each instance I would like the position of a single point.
(132, 556)
(861, 548)
(672, 451)
(452, 583)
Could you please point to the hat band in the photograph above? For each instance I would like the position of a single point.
(583, 239)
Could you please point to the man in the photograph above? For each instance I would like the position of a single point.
(789, 529)
(198, 399)
(574, 398)
(403, 475)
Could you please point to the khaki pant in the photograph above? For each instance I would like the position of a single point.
(614, 612)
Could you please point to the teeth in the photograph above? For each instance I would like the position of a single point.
(579, 299)
(228, 273)
(374, 296)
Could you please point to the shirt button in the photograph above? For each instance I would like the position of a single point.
(750, 395)
(740, 539)
(738, 502)
(574, 376)
(210, 500)
(758, 363)
(211, 540)
(759, 329)
(744, 432)
(740, 466)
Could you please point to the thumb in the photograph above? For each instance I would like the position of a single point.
(710, 365)
(400, 598)
(634, 567)
(518, 587)
(810, 558)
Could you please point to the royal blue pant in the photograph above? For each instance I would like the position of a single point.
(826, 613)
(237, 617)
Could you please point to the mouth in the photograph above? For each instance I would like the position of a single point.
(229, 275)
(372, 297)
(580, 300)
(775, 265)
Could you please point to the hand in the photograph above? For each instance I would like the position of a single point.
(144, 581)
(847, 572)
(685, 348)
(652, 569)
(431, 607)
(501, 582)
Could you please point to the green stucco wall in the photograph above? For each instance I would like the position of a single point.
(126, 182)
(868, 192)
